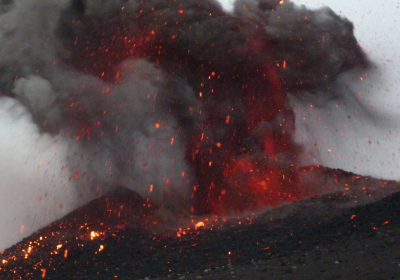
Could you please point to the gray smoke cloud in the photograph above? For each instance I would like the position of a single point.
(316, 45)
(162, 96)
(114, 124)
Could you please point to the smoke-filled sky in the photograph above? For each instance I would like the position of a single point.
(362, 132)
(358, 132)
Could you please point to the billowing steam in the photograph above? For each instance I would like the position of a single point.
(175, 100)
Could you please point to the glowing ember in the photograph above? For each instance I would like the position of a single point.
(94, 234)
(199, 224)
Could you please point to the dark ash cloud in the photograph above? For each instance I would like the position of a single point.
(176, 100)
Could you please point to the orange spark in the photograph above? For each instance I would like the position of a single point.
(199, 224)
(94, 234)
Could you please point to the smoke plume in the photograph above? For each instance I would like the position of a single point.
(176, 100)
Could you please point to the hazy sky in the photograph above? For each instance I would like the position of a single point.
(227, 4)
(368, 141)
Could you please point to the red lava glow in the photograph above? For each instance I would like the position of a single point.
(233, 181)
(263, 185)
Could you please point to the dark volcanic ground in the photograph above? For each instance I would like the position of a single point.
(351, 233)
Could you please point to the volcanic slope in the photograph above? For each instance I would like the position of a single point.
(352, 232)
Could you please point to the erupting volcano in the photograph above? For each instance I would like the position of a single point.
(185, 104)
(180, 100)
(221, 86)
